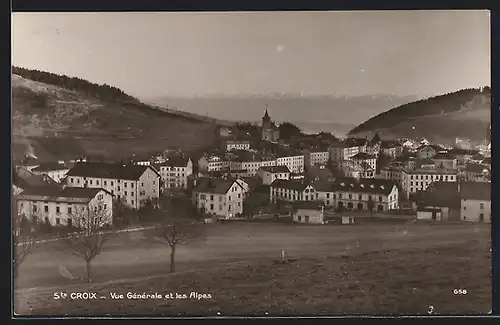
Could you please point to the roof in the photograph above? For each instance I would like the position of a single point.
(363, 155)
(60, 194)
(486, 161)
(296, 185)
(355, 142)
(176, 162)
(376, 139)
(386, 144)
(475, 168)
(308, 205)
(364, 185)
(460, 151)
(429, 171)
(23, 178)
(45, 167)
(443, 156)
(425, 161)
(276, 169)
(475, 191)
(216, 186)
(105, 170)
(441, 194)
(431, 146)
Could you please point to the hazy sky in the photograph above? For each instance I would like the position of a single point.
(347, 53)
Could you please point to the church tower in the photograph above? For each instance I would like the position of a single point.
(266, 120)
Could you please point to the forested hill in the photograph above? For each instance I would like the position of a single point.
(464, 113)
(104, 91)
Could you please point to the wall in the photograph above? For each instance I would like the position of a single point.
(471, 210)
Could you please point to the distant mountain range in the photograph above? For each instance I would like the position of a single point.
(463, 114)
(312, 113)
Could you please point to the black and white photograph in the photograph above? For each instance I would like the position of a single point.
(251, 163)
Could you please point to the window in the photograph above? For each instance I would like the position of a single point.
(90, 182)
(118, 188)
(132, 185)
(69, 210)
(465, 208)
(211, 206)
(106, 206)
(211, 197)
(97, 182)
(58, 221)
(327, 196)
(35, 208)
(360, 197)
(71, 179)
(306, 218)
(46, 208)
(78, 180)
(299, 218)
(481, 206)
(112, 183)
(58, 210)
(380, 199)
(239, 195)
(132, 193)
(350, 196)
(220, 206)
(125, 185)
(125, 193)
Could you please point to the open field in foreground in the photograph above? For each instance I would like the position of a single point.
(357, 269)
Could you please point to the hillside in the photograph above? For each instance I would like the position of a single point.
(312, 113)
(465, 114)
(106, 123)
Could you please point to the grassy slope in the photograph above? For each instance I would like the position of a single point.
(41, 109)
(462, 114)
(380, 271)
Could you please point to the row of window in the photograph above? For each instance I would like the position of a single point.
(70, 209)
(220, 206)
(341, 195)
(434, 177)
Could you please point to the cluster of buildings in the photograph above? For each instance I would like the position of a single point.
(324, 176)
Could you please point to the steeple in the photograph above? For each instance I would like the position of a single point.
(266, 115)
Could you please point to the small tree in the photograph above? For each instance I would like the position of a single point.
(371, 205)
(175, 231)
(23, 238)
(90, 236)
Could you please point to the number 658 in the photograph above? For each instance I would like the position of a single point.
(460, 291)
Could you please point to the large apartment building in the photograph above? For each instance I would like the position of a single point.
(132, 184)
(294, 162)
(219, 197)
(65, 206)
(418, 179)
(212, 164)
(175, 172)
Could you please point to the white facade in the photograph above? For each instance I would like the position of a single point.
(317, 157)
(291, 194)
(268, 176)
(57, 210)
(212, 164)
(226, 205)
(358, 199)
(237, 145)
(312, 216)
(132, 192)
(294, 163)
(251, 166)
(176, 176)
(418, 179)
(475, 210)
(57, 175)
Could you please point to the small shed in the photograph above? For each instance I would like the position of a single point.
(428, 214)
(347, 220)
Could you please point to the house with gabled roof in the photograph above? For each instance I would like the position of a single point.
(175, 172)
(219, 197)
(311, 212)
(440, 202)
(60, 206)
(475, 203)
(56, 171)
(269, 174)
(429, 151)
(359, 194)
(134, 185)
(292, 190)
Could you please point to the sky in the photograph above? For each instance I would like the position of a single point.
(155, 54)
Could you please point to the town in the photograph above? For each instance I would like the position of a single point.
(253, 173)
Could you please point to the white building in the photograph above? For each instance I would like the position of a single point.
(230, 145)
(418, 179)
(272, 173)
(313, 157)
(294, 162)
(475, 201)
(363, 157)
(63, 206)
(352, 194)
(132, 184)
(251, 166)
(291, 191)
(175, 172)
(308, 212)
(221, 198)
(212, 164)
(55, 171)
(353, 146)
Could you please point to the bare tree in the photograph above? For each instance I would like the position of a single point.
(175, 231)
(90, 234)
(24, 238)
